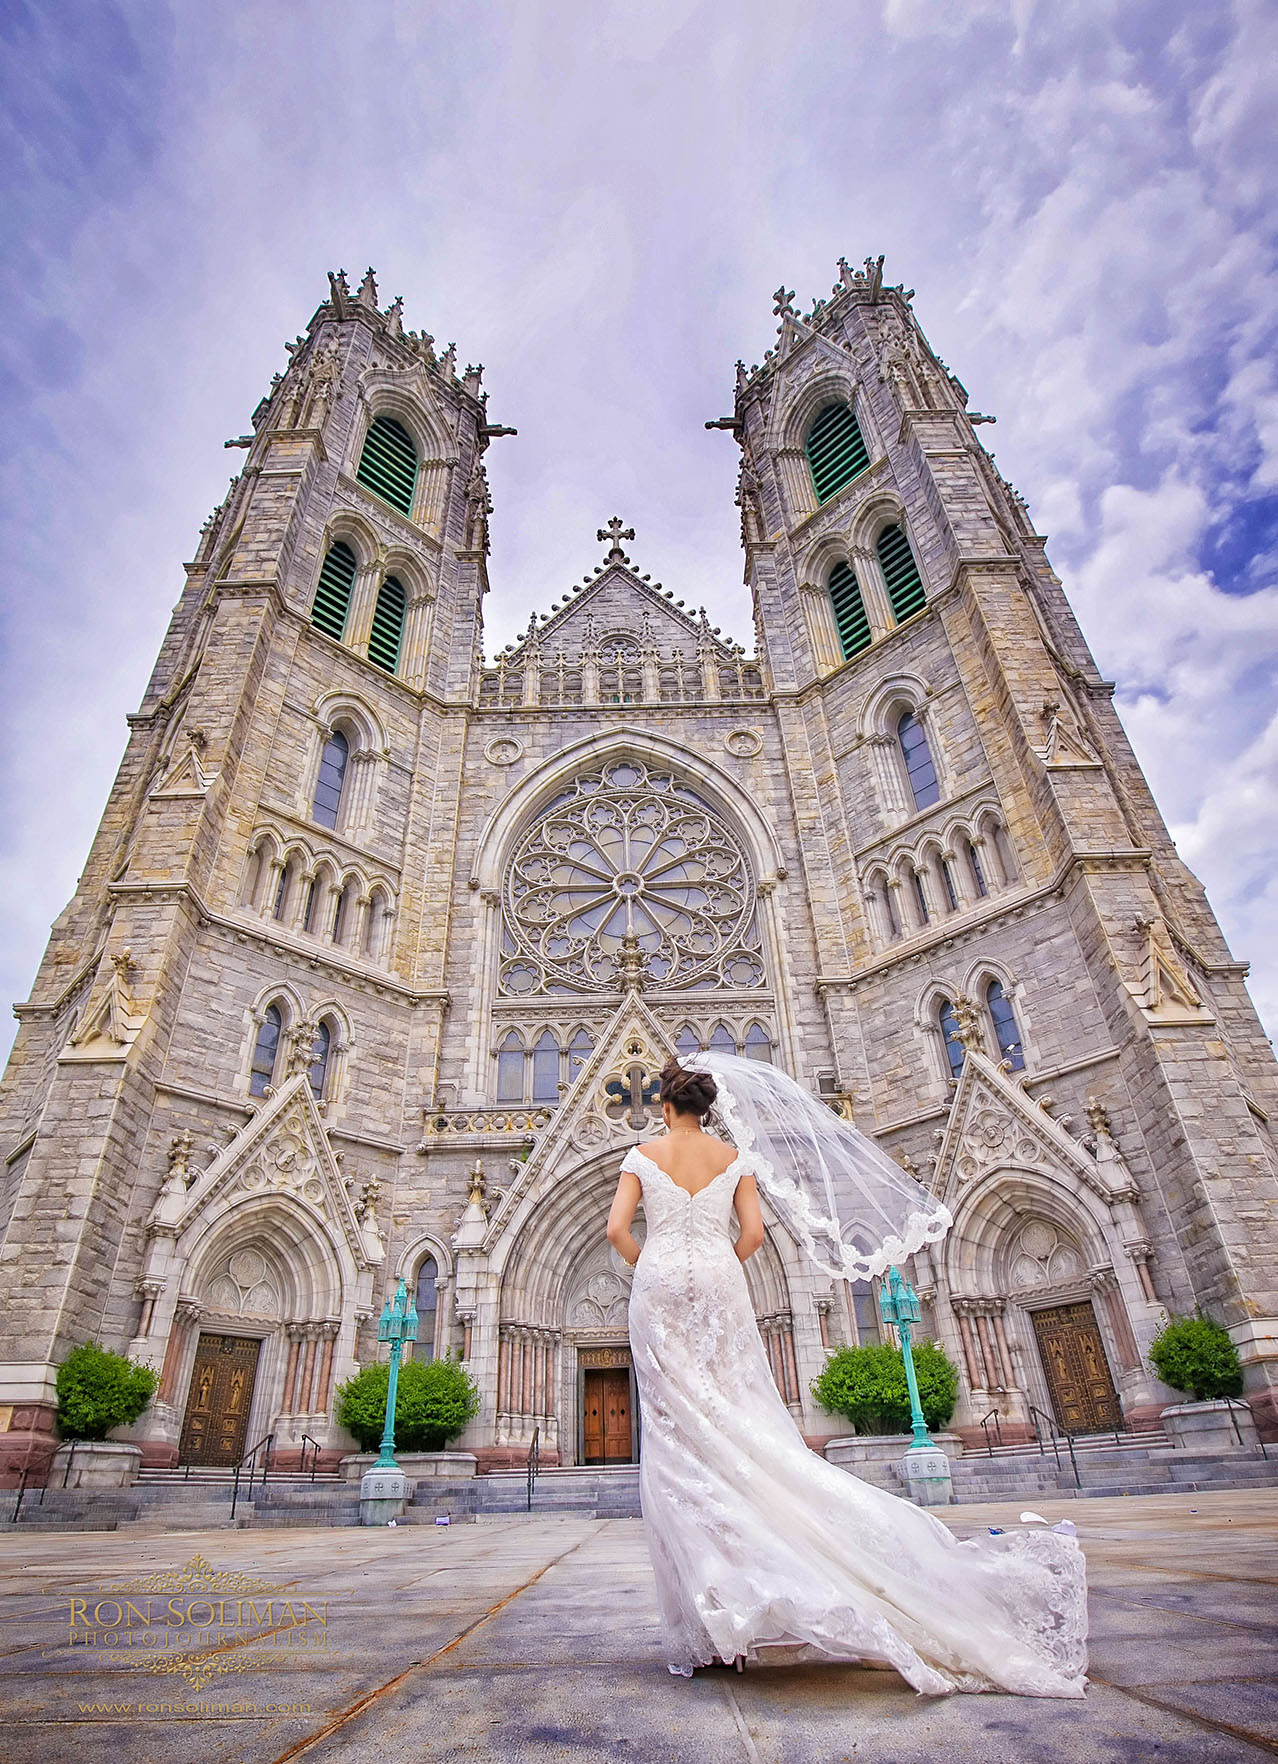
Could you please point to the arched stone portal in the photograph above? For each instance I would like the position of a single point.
(563, 1344)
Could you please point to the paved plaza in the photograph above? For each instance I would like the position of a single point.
(537, 1639)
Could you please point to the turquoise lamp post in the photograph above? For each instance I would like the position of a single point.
(398, 1325)
(899, 1304)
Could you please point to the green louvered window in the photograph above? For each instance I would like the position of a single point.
(901, 573)
(388, 625)
(836, 450)
(333, 591)
(388, 464)
(849, 610)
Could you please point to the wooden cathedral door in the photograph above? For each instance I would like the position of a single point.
(215, 1430)
(607, 1436)
(1073, 1356)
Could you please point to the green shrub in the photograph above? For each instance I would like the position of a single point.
(867, 1386)
(433, 1402)
(98, 1390)
(1196, 1356)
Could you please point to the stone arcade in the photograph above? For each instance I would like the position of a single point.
(379, 948)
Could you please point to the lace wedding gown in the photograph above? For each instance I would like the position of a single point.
(760, 1547)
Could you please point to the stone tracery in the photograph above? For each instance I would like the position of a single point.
(629, 851)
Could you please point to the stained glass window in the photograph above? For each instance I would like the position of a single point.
(955, 1052)
(1003, 1017)
(629, 852)
(264, 1051)
(427, 1303)
(918, 761)
(319, 1060)
(332, 773)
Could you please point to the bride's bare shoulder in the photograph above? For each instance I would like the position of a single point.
(719, 1151)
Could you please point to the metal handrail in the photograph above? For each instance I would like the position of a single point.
(534, 1462)
(1056, 1433)
(25, 1479)
(307, 1440)
(998, 1432)
(249, 1459)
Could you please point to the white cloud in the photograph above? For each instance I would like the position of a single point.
(597, 204)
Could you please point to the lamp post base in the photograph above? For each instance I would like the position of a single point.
(926, 1470)
(383, 1495)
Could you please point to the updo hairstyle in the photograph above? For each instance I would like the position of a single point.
(689, 1093)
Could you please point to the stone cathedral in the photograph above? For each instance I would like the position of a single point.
(380, 946)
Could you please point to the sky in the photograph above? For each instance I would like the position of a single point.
(596, 201)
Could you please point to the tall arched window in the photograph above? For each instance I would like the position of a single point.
(333, 591)
(687, 1041)
(387, 632)
(900, 573)
(947, 878)
(918, 760)
(317, 1072)
(955, 1052)
(1003, 1017)
(849, 610)
(426, 1300)
(974, 865)
(265, 1050)
(758, 1043)
(836, 450)
(332, 774)
(545, 1068)
(723, 1039)
(510, 1069)
(388, 464)
(579, 1051)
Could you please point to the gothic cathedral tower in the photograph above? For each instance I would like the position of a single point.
(379, 947)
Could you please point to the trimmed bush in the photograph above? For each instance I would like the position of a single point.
(1196, 1356)
(867, 1386)
(99, 1390)
(434, 1401)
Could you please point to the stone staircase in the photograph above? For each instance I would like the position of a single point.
(200, 1500)
(1135, 1464)
(591, 1491)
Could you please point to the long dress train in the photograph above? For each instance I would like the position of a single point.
(761, 1548)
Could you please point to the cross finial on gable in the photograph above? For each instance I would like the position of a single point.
(784, 307)
(612, 535)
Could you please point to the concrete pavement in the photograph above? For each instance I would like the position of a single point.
(536, 1639)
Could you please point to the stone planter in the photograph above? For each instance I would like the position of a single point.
(95, 1463)
(883, 1448)
(1209, 1427)
(417, 1466)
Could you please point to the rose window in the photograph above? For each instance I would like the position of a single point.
(629, 853)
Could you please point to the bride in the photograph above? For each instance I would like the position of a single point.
(762, 1550)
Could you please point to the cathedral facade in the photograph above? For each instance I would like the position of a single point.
(380, 946)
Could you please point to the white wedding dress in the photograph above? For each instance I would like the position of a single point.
(761, 1548)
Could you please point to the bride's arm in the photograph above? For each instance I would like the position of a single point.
(624, 1203)
(746, 1201)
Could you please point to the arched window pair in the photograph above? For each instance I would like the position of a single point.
(266, 1054)
(906, 593)
(837, 454)
(332, 605)
(904, 585)
(1002, 1020)
(534, 1073)
(755, 1045)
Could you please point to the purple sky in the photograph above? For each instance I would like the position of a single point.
(596, 201)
